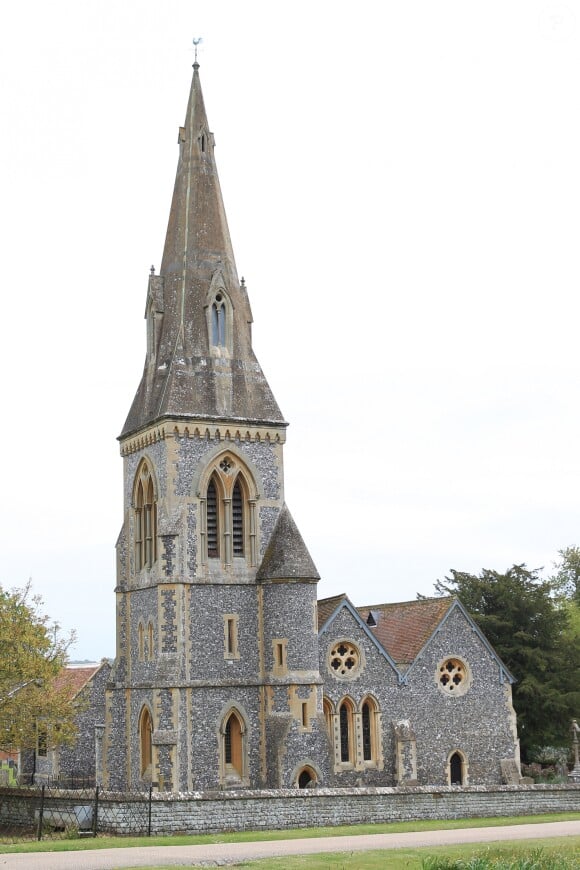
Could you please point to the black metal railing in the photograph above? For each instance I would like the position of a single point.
(48, 812)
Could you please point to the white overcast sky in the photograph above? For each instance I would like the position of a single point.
(402, 184)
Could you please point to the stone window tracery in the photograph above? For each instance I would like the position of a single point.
(228, 511)
(355, 733)
(145, 507)
(453, 676)
(219, 314)
(344, 659)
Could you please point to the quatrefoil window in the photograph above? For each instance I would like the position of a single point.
(226, 465)
(344, 659)
(453, 677)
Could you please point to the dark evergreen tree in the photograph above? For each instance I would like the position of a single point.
(522, 617)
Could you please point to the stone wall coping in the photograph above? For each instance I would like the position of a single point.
(289, 793)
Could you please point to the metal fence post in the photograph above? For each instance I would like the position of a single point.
(149, 819)
(40, 813)
(96, 811)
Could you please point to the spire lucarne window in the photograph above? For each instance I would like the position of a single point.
(218, 321)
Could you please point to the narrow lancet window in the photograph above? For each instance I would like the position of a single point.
(366, 732)
(145, 731)
(212, 522)
(344, 719)
(233, 745)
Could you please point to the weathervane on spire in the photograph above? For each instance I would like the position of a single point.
(196, 42)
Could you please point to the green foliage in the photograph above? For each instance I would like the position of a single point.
(522, 616)
(535, 859)
(566, 580)
(32, 653)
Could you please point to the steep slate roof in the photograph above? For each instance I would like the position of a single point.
(404, 628)
(287, 555)
(182, 378)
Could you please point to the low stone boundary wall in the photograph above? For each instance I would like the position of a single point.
(295, 808)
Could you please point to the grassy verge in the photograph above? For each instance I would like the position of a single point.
(67, 845)
(561, 853)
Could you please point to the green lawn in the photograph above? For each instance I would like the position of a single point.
(257, 836)
(561, 853)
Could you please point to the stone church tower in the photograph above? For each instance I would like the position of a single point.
(216, 680)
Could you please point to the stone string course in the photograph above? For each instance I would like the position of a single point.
(291, 808)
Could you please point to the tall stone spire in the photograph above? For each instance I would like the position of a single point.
(200, 364)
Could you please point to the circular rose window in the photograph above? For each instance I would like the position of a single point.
(344, 659)
(453, 677)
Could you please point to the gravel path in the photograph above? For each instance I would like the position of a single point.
(216, 854)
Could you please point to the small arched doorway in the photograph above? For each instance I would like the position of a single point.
(456, 773)
(306, 777)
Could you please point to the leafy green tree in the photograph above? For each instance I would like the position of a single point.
(520, 614)
(32, 653)
(567, 577)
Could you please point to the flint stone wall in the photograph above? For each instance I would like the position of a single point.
(285, 808)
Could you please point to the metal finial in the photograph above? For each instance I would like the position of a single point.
(196, 42)
(152, 270)
(243, 281)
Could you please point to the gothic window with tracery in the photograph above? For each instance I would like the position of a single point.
(145, 520)
(228, 514)
(345, 659)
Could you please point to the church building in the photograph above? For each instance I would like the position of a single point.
(228, 671)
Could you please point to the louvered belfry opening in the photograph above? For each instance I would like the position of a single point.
(213, 550)
(238, 519)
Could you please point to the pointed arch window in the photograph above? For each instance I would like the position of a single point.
(345, 721)
(457, 769)
(327, 710)
(219, 317)
(228, 513)
(233, 748)
(369, 730)
(145, 741)
(366, 732)
(145, 520)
